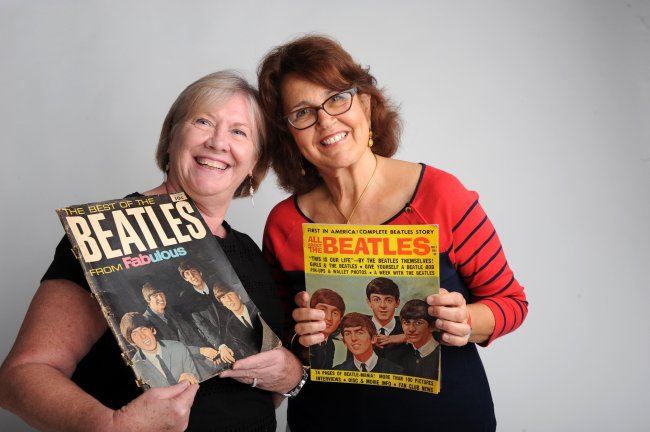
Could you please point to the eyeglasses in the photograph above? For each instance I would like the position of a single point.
(334, 105)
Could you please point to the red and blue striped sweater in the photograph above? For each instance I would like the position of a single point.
(472, 262)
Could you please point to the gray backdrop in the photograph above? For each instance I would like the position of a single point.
(541, 106)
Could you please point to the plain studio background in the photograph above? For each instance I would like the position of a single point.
(542, 107)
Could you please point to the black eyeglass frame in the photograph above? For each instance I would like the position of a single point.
(353, 91)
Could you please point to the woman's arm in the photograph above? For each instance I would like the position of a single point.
(61, 325)
(497, 303)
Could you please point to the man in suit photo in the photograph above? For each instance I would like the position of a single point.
(158, 362)
(321, 356)
(242, 326)
(172, 325)
(359, 335)
(423, 359)
(208, 315)
(382, 297)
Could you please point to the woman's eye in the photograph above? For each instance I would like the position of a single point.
(202, 123)
(301, 113)
(239, 132)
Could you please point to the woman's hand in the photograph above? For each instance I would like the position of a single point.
(160, 409)
(276, 370)
(459, 322)
(309, 322)
(452, 316)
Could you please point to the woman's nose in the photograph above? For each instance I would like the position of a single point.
(219, 140)
(324, 119)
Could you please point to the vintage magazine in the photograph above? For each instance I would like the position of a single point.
(165, 286)
(371, 281)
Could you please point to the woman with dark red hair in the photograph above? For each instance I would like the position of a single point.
(332, 135)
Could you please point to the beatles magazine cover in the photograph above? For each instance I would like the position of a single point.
(166, 288)
(372, 281)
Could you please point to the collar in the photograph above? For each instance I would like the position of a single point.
(370, 363)
(389, 327)
(204, 289)
(427, 348)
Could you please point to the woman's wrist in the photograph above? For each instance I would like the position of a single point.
(302, 352)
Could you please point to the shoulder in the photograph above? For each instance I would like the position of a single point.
(253, 311)
(172, 345)
(388, 366)
(239, 236)
(346, 365)
(284, 209)
(284, 222)
(441, 193)
(440, 180)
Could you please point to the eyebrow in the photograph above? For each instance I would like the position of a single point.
(240, 124)
(305, 104)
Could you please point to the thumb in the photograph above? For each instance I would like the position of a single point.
(169, 392)
(302, 299)
(186, 396)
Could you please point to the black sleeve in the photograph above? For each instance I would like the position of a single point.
(65, 265)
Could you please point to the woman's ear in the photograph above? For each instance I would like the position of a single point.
(365, 100)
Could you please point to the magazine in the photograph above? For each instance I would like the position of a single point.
(167, 290)
(372, 282)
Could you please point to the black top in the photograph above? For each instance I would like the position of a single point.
(463, 404)
(221, 404)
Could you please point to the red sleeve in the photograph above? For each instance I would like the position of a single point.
(476, 252)
(282, 249)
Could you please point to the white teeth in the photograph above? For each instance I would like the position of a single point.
(212, 164)
(336, 138)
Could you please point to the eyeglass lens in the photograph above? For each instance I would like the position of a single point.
(334, 105)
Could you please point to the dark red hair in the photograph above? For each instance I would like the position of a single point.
(323, 61)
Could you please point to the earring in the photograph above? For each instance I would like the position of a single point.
(251, 189)
(370, 141)
(302, 169)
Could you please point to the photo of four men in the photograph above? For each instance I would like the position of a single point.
(385, 339)
(192, 333)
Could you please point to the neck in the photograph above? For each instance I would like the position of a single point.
(364, 357)
(347, 188)
(213, 211)
(419, 344)
(384, 322)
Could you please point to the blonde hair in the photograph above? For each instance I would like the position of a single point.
(216, 87)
